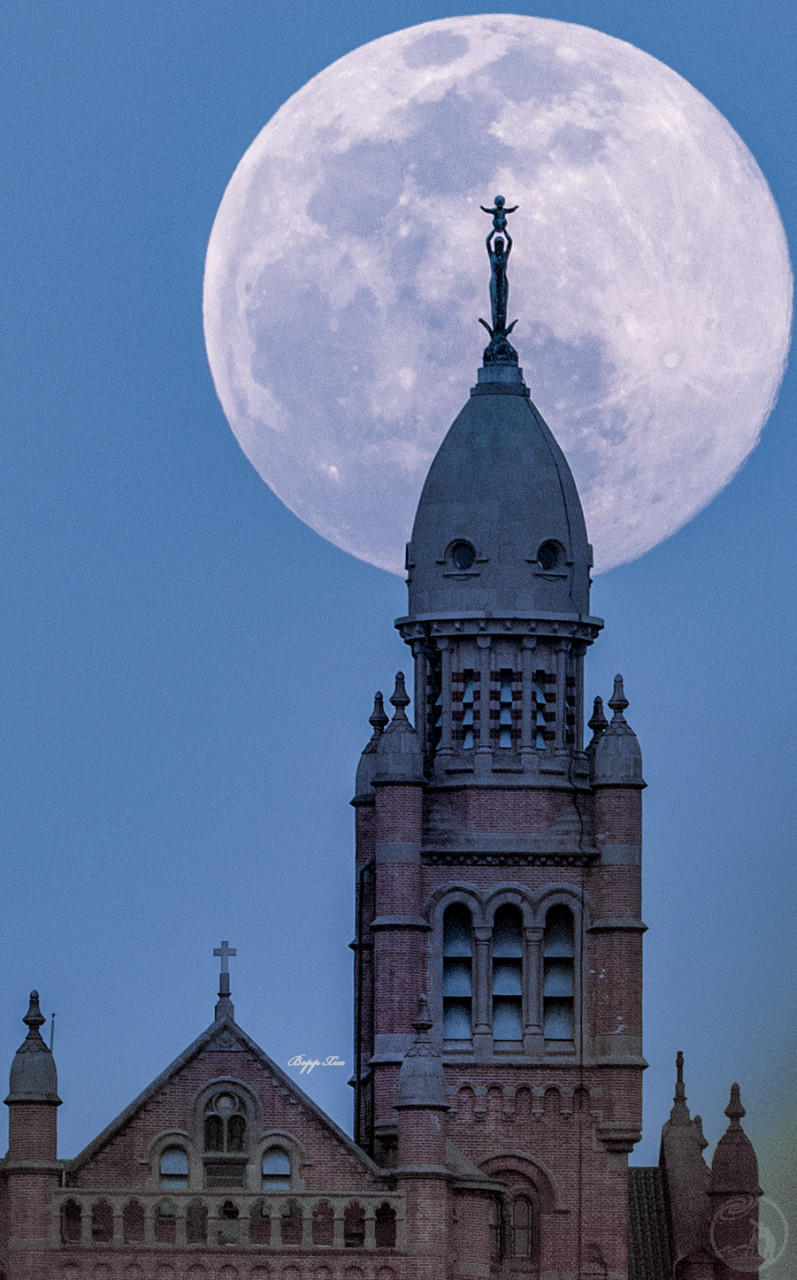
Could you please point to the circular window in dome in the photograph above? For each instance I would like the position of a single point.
(462, 555)
(550, 555)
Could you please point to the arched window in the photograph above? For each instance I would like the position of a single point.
(323, 1223)
(196, 1223)
(354, 1226)
(276, 1170)
(522, 1228)
(133, 1222)
(558, 975)
(165, 1223)
(101, 1222)
(174, 1169)
(214, 1133)
(508, 974)
(229, 1227)
(385, 1227)
(291, 1223)
(259, 1223)
(225, 1123)
(457, 976)
(224, 1128)
(71, 1222)
(496, 1231)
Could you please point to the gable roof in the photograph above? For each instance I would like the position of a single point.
(225, 1025)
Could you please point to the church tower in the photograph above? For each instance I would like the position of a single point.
(498, 856)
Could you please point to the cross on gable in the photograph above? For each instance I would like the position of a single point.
(225, 951)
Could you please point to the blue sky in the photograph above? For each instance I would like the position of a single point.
(187, 670)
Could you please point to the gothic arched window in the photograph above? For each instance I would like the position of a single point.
(457, 973)
(225, 1123)
(225, 1136)
(559, 975)
(508, 974)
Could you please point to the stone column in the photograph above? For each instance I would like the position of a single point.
(445, 746)
(561, 700)
(483, 752)
(482, 992)
(533, 1038)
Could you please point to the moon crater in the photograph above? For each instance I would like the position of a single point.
(346, 273)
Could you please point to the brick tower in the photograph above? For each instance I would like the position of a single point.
(32, 1171)
(498, 858)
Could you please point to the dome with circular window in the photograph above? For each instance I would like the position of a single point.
(499, 484)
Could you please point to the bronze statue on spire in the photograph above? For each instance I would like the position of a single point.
(499, 247)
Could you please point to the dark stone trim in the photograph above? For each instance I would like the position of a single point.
(440, 859)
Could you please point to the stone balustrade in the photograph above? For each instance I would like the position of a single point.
(266, 1221)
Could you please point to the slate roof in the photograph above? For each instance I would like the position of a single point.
(649, 1235)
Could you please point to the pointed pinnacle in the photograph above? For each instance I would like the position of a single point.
(378, 717)
(734, 1110)
(598, 722)
(34, 1017)
(680, 1092)
(400, 699)
(680, 1112)
(618, 701)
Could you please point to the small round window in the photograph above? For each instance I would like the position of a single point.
(462, 555)
(549, 555)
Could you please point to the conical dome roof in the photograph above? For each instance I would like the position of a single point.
(499, 527)
(422, 1078)
(33, 1075)
(734, 1169)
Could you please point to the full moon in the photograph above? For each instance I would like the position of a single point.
(346, 273)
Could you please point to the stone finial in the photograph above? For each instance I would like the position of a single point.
(618, 701)
(617, 759)
(598, 724)
(367, 765)
(34, 1018)
(378, 718)
(33, 1075)
(701, 1137)
(422, 1081)
(734, 1110)
(400, 699)
(680, 1112)
(734, 1169)
(398, 754)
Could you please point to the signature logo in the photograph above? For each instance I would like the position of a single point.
(306, 1065)
(749, 1234)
